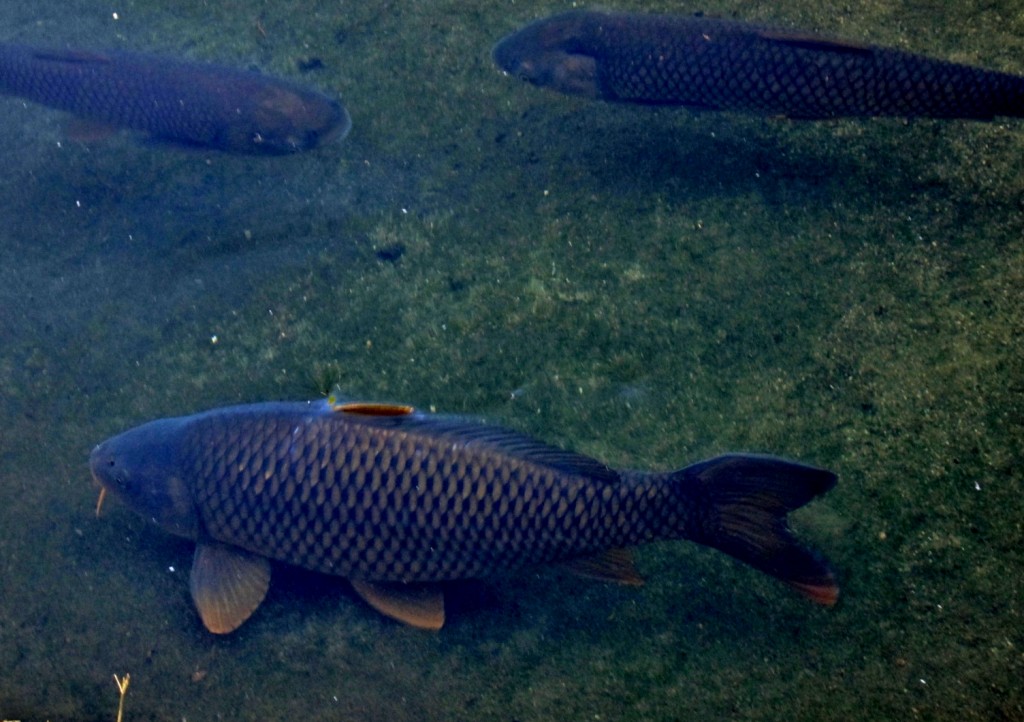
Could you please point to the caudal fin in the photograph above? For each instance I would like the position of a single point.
(747, 500)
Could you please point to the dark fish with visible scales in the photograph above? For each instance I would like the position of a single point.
(194, 104)
(726, 65)
(397, 501)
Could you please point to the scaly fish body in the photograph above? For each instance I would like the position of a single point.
(726, 65)
(387, 497)
(172, 100)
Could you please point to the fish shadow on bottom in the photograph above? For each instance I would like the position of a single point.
(551, 601)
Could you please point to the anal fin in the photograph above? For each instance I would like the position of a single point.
(418, 605)
(227, 585)
(611, 565)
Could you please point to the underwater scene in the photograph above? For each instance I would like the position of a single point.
(207, 204)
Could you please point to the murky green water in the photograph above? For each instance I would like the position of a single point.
(651, 287)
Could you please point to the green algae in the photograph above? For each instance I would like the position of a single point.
(650, 287)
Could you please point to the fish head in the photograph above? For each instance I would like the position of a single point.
(142, 467)
(552, 53)
(285, 119)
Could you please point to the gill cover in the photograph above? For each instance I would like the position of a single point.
(550, 53)
(141, 467)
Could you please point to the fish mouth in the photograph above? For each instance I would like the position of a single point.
(97, 479)
(508, 56)
(99, 501)
(102, 491)
(336, 130)
(332, 129)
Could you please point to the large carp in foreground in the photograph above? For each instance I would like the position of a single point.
(172, 100)
(396, 501)
(705, 63)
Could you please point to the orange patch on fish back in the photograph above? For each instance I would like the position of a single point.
(372, 409)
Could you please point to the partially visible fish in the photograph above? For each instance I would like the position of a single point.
(172, 100)
(396, 501)
(726, 65)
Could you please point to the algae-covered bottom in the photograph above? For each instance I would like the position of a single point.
(641, 285)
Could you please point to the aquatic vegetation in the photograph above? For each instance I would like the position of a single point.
(122, 688)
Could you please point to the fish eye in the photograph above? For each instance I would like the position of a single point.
(117, 475)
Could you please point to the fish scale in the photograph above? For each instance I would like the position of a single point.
(729, 65)
(392, 506)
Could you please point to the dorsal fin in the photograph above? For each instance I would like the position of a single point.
(71, 56)
(805, 41)
(372, 409)
(468, 431)
(87, 130)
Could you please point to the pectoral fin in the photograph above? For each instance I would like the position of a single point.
(418, 605)
(227, 585)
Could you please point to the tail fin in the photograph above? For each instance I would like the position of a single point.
(745, 500)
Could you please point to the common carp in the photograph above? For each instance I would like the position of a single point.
(712, 64)
(396, 501)
(172, 100)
